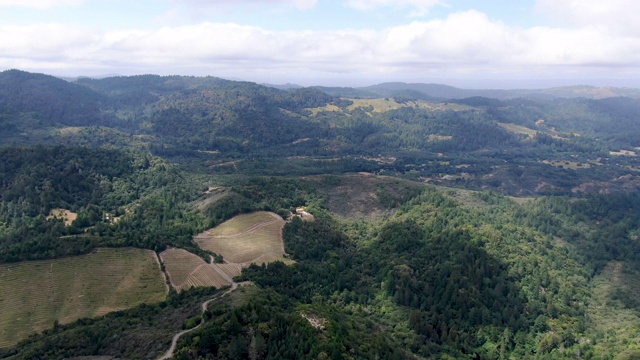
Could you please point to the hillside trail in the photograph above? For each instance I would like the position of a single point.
(234, 285)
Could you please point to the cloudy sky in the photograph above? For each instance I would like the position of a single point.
(471, 43)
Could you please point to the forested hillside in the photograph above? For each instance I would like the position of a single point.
(519, 146)
(444, 226)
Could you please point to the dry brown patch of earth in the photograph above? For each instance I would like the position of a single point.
(358, 196)
(67, 215)
(315, 321)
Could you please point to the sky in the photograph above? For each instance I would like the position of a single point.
(466, 43)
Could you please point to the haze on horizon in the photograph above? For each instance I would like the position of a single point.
(464, 43)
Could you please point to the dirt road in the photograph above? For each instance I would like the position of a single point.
(234, 285)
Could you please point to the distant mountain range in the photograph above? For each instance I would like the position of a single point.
(442, 92)
(433, 91)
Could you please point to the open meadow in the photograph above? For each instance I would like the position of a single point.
(186, 269)
(248, 238)
(35, 294)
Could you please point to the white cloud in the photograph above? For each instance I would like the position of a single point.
(188, 11)
(420, 7)
(299, 4)
(462, 43)
(620, 16)
(39, 4)
(304, 4)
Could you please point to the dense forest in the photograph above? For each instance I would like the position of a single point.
(445, 226)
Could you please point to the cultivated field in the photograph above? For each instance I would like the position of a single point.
(232, 270)
(186, 270)
(34, 294)
(247, 238)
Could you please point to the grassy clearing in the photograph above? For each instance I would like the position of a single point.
(71, 130)
(565, 164)
(521, 200)
(466, 198)
(67, 215)
(247, 238)
(518, 129)
(378, 105)
(328, 108)
(211, 196)
(387, 104)
(35, 294)
(623, 153)
(615, 306)
(435, 138)
(186, 270)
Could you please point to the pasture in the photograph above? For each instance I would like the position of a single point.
(35, 294)
(248, 238)
(186, 269)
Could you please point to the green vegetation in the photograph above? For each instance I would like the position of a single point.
(526, 248)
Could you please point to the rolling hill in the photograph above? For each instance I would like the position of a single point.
(448, 223)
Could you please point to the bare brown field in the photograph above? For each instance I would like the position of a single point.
(247, 238)
(186, 270)
(34, 294)
(63, 214)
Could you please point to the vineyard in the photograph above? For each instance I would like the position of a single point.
(186, 270)
(232, 270)
(247, 238)
(34, 295)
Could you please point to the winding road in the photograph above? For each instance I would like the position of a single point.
(234, 285)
